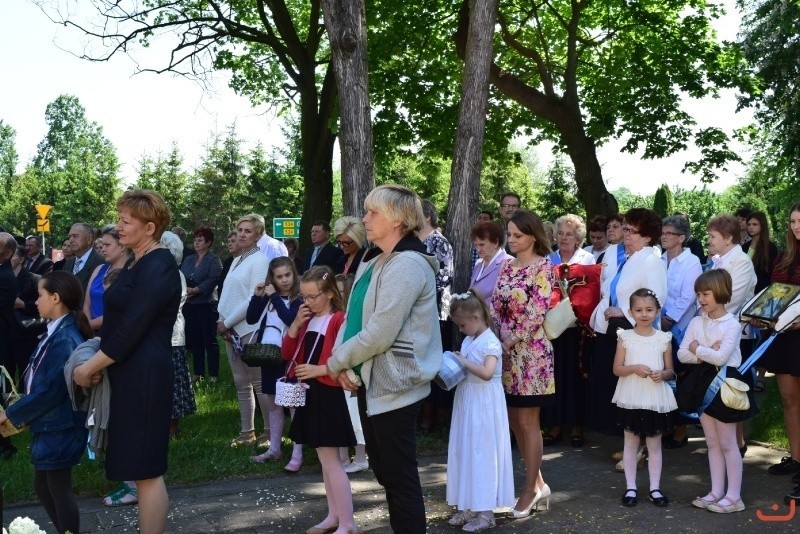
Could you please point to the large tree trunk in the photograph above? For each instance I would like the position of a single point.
(347, 33)
(468, 155)
(317, 140)
(564, 114)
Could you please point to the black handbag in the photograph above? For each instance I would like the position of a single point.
(262, 354)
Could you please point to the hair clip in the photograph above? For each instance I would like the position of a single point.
(325, 276)
(461, 296)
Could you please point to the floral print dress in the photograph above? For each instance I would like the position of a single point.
(520, 300)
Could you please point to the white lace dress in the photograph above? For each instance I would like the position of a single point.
(647, 408)
(479, 470)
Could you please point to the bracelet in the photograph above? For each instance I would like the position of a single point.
(674, 374)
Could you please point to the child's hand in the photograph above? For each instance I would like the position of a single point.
(260, 289)
(657, 376)
(304, 371)
(303, 315)
(716, 345)
(641, 370)
(693, 346)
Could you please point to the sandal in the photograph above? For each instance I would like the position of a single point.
(731, 506)
(122, 496)
(481, 522)
(269, 455)
(462, 518)
(246, 438)
(703, 502)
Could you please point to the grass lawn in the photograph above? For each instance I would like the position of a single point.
(768, 425)
(201, 453)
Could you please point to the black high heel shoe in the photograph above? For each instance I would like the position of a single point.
(629, 500)
(577, 441)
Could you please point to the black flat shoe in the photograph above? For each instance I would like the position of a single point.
(552, 440)
(577, 441)
(672, 443)
(629, 500)
(660, 501)
(743, 450)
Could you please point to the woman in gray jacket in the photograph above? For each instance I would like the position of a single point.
(392, 344)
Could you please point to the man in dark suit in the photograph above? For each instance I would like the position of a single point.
(8, 295)
(322, 252)
(36, 262)
(86, 259)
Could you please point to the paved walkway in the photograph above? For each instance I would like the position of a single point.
(586, 498)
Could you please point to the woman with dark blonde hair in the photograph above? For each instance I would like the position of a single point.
(139, 313)
(761, 250)
(520, 300)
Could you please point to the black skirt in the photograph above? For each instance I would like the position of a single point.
(529, 401)
(270, 374)
(325, 419)
(569, 403)
(783, 356)
(646, 423)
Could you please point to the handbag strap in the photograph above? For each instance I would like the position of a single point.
(300, 344)
(5, 374)
(713, 388)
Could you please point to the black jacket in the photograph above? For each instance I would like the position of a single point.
(327, 256)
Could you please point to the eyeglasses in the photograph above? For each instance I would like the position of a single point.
(673, 234)
(514, 206)
(629, 230)
(311, 298)
(345, 243)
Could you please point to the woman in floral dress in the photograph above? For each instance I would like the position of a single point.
(519, 303)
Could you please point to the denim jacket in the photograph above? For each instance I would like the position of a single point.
(47, 405)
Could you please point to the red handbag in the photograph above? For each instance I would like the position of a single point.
(583, 287)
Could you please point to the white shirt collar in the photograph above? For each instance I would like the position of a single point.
(52, 325)
(83, 259)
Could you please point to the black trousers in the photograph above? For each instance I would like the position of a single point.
(201, 337)
(54, 490)
(391, 443)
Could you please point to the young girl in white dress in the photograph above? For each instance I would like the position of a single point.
(646, 404)
(479, 469)
(713, 338)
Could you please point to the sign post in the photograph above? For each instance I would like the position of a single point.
(43, 222)
(284, 228)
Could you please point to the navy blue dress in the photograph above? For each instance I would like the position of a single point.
(140, 309)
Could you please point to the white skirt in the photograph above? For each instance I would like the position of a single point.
(480, 473)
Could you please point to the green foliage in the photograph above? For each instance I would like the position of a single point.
(74, 170)
(663, 202)
(8, 156)
(628, 199)
(556, 193)
(164, 174)
(771, 42)
(699, 205)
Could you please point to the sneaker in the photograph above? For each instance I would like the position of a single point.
(793, 496)
(355, 467)
(787, 466)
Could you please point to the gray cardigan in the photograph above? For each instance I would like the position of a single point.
(400, 344)
(98, 401)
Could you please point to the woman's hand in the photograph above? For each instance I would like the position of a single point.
(509, 343)
(613, 311)
(83, 378)
(666, 323)
(304, 371)
(344, 381)
(222, 329)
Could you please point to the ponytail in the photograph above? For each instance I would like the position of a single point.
(82, 322)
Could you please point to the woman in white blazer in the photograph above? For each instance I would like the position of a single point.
(247, 270)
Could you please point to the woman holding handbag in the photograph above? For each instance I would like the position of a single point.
(274, 307)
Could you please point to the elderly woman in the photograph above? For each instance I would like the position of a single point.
(570, 399)
(248, 270)
(781, 358)
(683, 268)
(487, 238)
(104, 275)
(520, 301)
(726, 253)
(614, 231)
(633, 264)
(391, 339)
(140, 310)
(201, 271)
